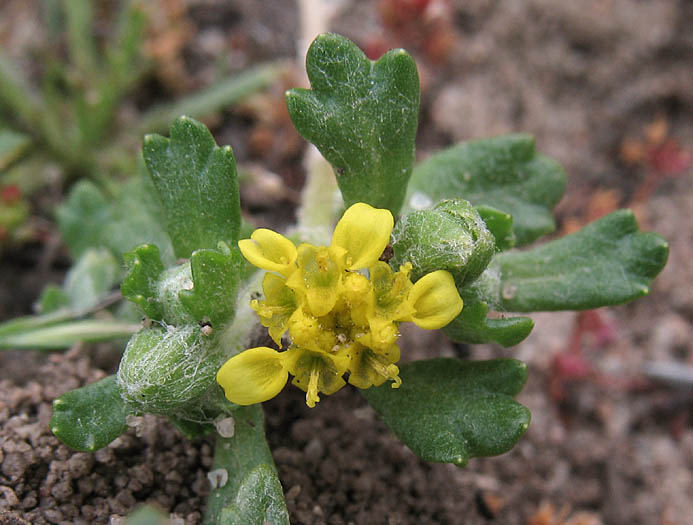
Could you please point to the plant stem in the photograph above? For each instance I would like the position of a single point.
(320, 199)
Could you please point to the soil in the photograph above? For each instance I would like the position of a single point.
(587, 79)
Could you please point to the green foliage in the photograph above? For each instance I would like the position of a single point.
(260, 500)
(12, 146)
(215, 275)
(449, 410)
(44, 333)
(92, 278)
(503, 172)
(90, 417)
(87, 287)
(72, 115)
(252, 494)
(197, 184)
(452, 236)
(500, 224)
(90, 219)
(606, 263)
(83, 218)
(147, 515)
(362, 116)
(140, 285)
(473, 326)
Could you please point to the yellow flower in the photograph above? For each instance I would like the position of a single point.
(341, 306)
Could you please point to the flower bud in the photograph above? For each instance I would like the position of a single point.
(451, 236)
(163, 370)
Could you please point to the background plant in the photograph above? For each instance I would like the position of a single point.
(74, 117)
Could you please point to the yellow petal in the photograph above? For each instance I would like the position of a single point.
(253, 376)
(391, 291)
(316, 371)
(368, 368)
(435, 300)
(270, 251)
(277, 307)
(363, 233)
(317, 279)
(358, 294)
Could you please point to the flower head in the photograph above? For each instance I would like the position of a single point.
(341, 307)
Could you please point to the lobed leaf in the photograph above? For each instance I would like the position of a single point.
(473, 326)
(216, 276)
(252, 493)
(260, 499)
(197, 184)
(503, 172)
(362, 116)
(500, 224)
(90, 417)
(88, 219)
(449, 410)
(140, 285)
(91, 279)
(83, 217)
(606, 263)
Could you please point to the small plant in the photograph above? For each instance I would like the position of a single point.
(429, 243)
(73, 120)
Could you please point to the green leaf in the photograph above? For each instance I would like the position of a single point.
(215, 276)
(79, 18)
(12, 146)
(260, 500)
(83, 218)
(90, 220)
(606, 263)
(140, 285)
(500, 224)
(472, 326)
(16, 98)
(503, 172)
(137, 218)
(91, 279)
(147, 515)
(55, 336)
(252, 489)
(52, 298)
(362, 116)
(90, 417)
(197, 185)
(449, 410)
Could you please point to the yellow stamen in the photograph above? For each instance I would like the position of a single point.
(390, 371)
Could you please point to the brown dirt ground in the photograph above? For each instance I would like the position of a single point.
(582, 77)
